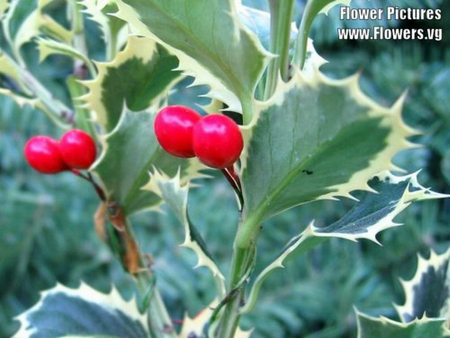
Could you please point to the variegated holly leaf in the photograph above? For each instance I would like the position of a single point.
(428, 292)
(316, 138)
(82, 312)
(370, 327)
(111, 27)
(129, 153)
(140, 75)
(48, 47)
(375, 211)
(312, 9)
(209, 40)
(175, 196)
(39, 23)
(22, 100)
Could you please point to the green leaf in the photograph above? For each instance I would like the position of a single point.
(84, 311)
(376, 211)
(373, 213)
(209, 40)
(370, 327)
(140, 75)
(176, 197)
(316, 138)
(427, 293)
(130, 153)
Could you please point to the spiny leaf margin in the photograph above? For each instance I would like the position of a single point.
(429, 271)
(129, 153)
(370, 223)
(369, 327)
(145, 51)
(389, 119)
(175, 195)
(230, 63)
(111, 302)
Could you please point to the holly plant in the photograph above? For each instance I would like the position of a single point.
(281, 132)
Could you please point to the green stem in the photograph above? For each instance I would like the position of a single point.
(111, 47)
(55, 109)
(247, 110)
(303, 32)
(280, 32)
(241, 266)
(79, 39)
(159, 319)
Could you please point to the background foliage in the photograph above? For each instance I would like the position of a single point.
(46, 228)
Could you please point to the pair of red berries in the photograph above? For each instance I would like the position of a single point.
(215, 139)
(75, 150)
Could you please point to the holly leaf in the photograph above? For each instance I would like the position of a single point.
(208, 39)
(21, 100)
(82, 312)
(141, 75)
(369, 327)
(111, 27)
(427, 293)
(48, 47)
(316, 138)
(38, 23)
(130, 153)
(375, 211)
(175, 196)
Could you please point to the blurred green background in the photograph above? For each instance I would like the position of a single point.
(46, 227)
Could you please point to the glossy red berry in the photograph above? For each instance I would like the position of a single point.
(43, 155)
(173, 130)
(78, 149)
(217, 141)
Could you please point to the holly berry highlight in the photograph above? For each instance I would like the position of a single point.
(215, 139)
(76, 150)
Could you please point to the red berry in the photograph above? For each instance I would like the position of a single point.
(173, 130)
(218, 141)
(78, 149)
(43, 155)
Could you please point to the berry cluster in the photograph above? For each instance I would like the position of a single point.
(75, 150)
(215, 139)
